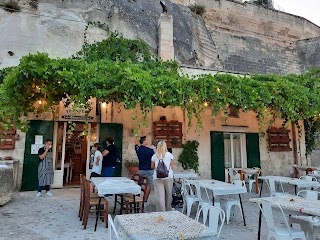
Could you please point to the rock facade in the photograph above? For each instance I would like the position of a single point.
(231, 36)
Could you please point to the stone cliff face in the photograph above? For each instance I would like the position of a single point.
(228, 38)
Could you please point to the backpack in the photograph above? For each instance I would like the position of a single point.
(162, 170)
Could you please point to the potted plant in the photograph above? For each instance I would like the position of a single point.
(132, 165)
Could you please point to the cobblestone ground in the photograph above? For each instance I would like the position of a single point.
(28, 217)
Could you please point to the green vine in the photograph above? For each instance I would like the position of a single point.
(124, 71)
(189, 156)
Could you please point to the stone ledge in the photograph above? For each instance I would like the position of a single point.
(5, 198)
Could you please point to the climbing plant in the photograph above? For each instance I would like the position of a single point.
(124, 71)
(189, 156)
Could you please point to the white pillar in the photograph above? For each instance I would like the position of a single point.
(166, 50)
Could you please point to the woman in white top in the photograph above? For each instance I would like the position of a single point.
(97, 161)
(163, 186)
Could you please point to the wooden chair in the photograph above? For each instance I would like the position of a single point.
(81, 203)
(137, 178)
(140, 200)
(93, 202)
(127, 200)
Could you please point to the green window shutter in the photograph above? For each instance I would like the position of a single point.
(31, 162)
(253, 150)
(114, 130)
(217, 156)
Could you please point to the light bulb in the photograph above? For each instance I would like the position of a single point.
(40, 102)
(205, 104)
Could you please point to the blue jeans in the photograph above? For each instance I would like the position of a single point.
(107, 171)
(40, 188)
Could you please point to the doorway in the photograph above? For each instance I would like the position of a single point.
(72, 151)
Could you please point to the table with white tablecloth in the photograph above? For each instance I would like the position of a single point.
(170, 225)
(114, 185)
(292, 181)
(220, 188)
(293, 205)
(186, 175)
(307, 169)
(245, 171)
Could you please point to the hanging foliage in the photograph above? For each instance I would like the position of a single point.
(124, 71)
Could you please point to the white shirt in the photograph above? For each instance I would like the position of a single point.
(167, 160)
(95, 168)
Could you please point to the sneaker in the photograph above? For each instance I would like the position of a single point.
(49, 194)
(38, 194)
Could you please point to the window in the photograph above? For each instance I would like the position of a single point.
(234, 150)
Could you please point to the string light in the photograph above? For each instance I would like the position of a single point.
(104, 104)
(40, 102)
(205, 104)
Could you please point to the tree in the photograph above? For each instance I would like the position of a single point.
(264, 3)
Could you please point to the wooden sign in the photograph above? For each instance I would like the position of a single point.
(68, 113)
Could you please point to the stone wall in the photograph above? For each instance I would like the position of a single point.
(308, 52)
(6, 184)
(248, 19)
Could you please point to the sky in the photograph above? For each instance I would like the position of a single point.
(308, 9)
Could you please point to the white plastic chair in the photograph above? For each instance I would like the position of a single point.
(230, 202)
(271, 182)
(234, 175)
(112, 231)
(251, 181)
(307, 178)
(215, 214)
(315, 172)
(189, 198)
(278, 232)
(204, 200)
(307, 223)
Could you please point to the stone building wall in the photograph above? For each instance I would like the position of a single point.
(308, 51)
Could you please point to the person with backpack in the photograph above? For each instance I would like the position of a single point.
(162, 163)
(110, 155)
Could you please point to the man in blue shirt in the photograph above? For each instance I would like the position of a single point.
(145, 154)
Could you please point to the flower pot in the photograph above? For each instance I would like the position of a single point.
(133, 170)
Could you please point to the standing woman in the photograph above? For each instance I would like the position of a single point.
(163, 186)
(109, 158)
(45, 168)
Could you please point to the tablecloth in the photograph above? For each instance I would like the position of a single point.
(293, 181)
(186, 175)
(115, 185)
(249, 171)
(222, 188)
(160, 226)
(294, 203)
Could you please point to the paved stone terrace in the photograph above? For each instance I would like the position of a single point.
(28, 217)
